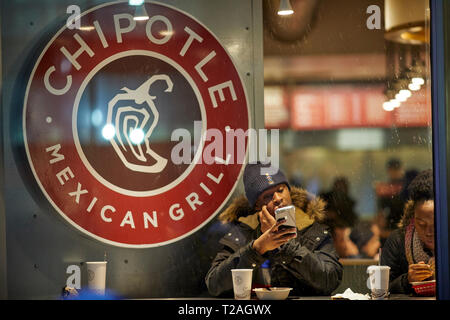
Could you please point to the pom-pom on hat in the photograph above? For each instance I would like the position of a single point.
(259, 177)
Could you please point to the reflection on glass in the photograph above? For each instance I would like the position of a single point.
(285, 8)
(140, 14)
(96, 118)
(135, 2)
(108, 131)
(417, 81)
(137, 136)
(413, 86)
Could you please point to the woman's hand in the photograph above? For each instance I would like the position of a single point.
(419, 272)
(272, 236)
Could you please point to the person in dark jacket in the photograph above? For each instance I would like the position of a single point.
(341, 216)
(307, 262)
(389, 200)
(340, 206)
(365, 235)
(409, 250)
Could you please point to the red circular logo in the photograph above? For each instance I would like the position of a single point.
(135, 129)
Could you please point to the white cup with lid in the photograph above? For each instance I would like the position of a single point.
(378, 281)
(96, 274)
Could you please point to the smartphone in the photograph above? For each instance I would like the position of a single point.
(287, 213)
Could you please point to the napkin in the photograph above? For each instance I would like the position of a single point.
(350, 295)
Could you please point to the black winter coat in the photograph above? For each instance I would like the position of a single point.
(309, 263)
(393, 255)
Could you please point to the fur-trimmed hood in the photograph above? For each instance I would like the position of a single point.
(309, 209)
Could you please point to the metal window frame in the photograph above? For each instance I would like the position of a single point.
(440, 42)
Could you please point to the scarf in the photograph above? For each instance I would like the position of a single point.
(414, 247)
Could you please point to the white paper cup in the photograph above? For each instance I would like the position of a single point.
(378, 281)
(96, 272)
(242, 283)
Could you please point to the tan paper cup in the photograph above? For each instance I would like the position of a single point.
(242, 283)
(378, 281)
(96, 271)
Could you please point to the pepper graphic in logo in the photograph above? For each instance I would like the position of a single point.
(140, 122)
(99, 111)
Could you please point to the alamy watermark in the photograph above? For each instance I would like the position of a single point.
(374, 20)
(74, 278)
(73, 21)
(228, 148)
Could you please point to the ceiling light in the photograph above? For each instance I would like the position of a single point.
(418, 80)
(285, 8)
(414, 86)
(395, 103)
(140, 14)
(87, 28)
(387, 106)
(405, 93)
(135, 2)
(400, 98)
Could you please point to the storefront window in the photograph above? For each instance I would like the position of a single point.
(127, 126)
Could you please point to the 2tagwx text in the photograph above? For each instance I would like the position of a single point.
(224, 309)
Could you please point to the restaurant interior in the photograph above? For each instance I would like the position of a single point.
(330, 91)
(320, 82)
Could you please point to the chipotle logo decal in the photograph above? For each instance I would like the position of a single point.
(111, 108)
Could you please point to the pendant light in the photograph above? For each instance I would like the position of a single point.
(285, 8)
(140, 13)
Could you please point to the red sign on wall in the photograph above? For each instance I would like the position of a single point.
(321, 108)
(307, 111)
(276, 108)
(415, 112)
(102, 106)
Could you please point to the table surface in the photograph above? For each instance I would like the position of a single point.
(391, 297)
